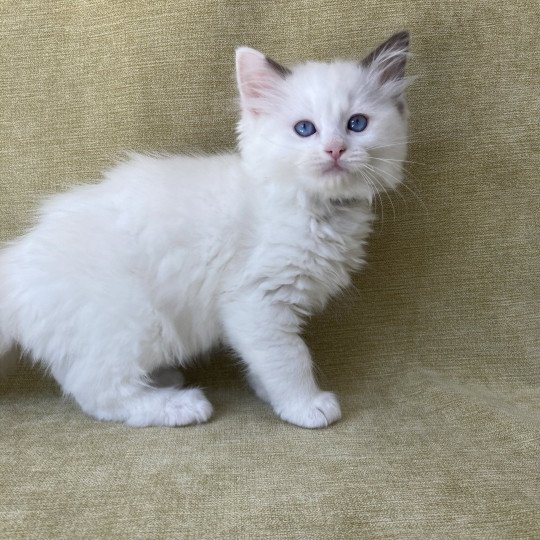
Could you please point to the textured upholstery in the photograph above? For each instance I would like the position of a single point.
(435, 353)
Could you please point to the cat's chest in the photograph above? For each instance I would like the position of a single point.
(308, 258)
(332, 242)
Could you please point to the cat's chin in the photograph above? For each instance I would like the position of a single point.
(333, 174)
(334, 168)
(341, 183)
(329, 184)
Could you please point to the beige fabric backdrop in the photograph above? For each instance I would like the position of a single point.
(435, 353)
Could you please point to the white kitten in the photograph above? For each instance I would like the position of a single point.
(169, 256)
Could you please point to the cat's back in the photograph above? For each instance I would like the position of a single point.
(141, 192)
(194, 196)
(174, 173)
(142, 206)
(160, 183)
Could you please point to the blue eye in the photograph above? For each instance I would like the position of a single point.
(357, 122)
(305, 128)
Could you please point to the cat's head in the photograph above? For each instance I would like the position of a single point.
(337, 130)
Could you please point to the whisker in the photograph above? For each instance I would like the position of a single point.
(375, 171)
(378, 199)
(406, 139)
(403, 184)
(378, 169)
(416, 196)
(397, 142)
(397, 160)
(376, 180)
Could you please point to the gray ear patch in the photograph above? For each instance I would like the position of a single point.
(282, 71)
(389, 58)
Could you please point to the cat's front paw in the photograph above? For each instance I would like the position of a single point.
(317, 412)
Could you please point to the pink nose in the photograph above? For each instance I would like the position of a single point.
(335, 151)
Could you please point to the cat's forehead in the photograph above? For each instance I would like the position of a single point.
(328, 86)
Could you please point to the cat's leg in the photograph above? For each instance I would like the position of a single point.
(117, 392)
(257, 386)
(167, 377)
(105, 359)
(279, 363)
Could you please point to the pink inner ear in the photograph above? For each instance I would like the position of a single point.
(257, 85)
(257, 81)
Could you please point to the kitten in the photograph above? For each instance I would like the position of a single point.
(169, 256)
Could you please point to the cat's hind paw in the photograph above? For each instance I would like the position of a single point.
(175, 408)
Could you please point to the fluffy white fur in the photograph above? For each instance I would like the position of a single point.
(168, 256)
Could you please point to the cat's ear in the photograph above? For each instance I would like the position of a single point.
(388, 60)
(259, 79)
